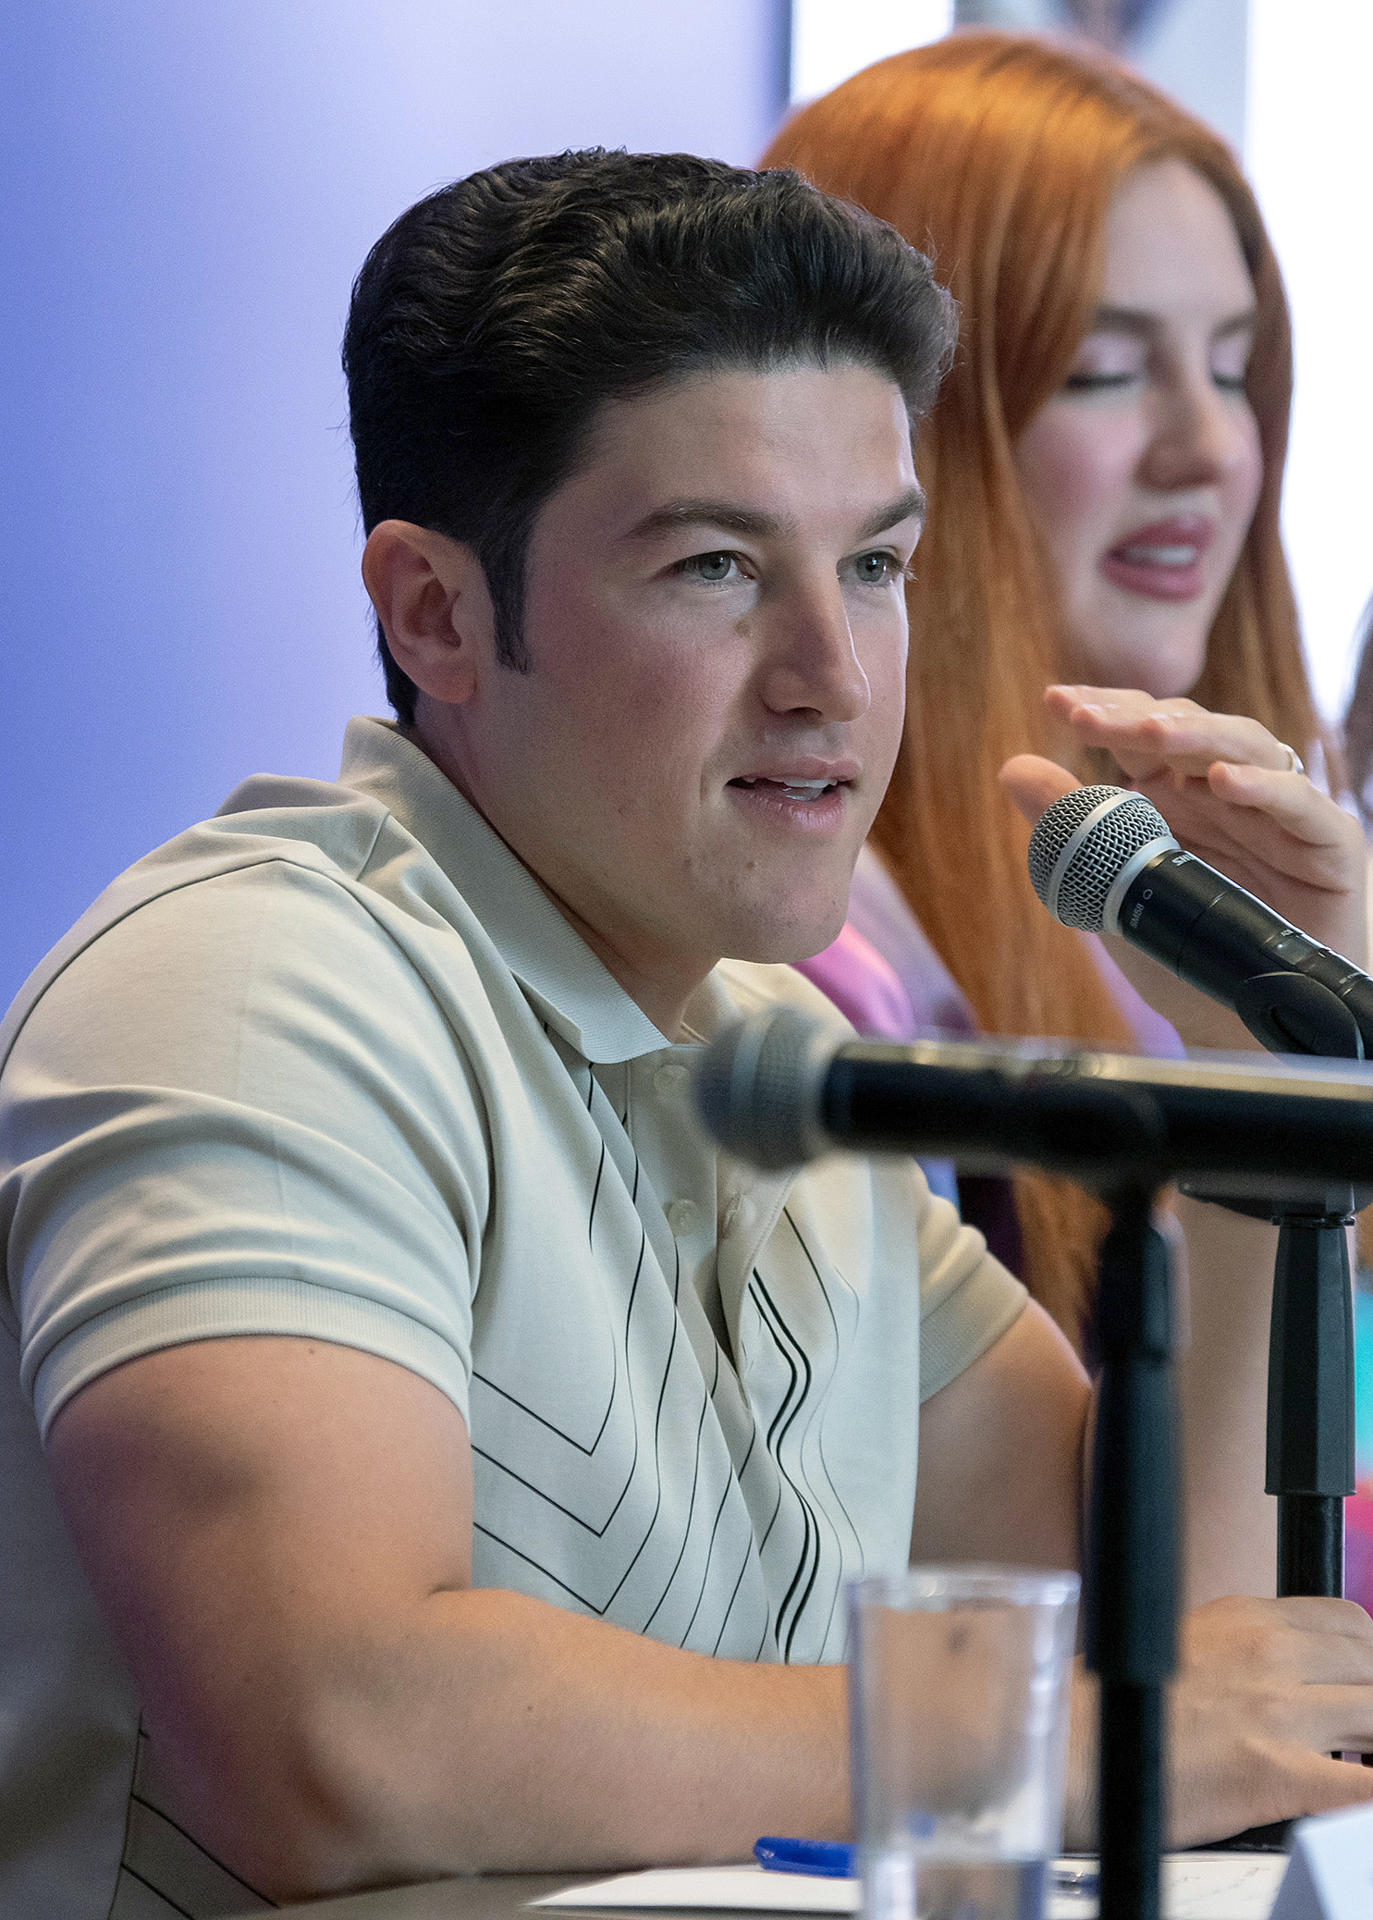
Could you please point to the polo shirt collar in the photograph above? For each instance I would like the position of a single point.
(559, 973)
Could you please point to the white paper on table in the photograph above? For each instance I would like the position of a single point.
(698, 1889)
(1196, 1886)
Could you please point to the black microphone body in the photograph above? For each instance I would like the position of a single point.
(1219, 937)
(1102, 859)
(781, 1088)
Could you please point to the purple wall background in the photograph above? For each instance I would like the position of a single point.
(188, 193)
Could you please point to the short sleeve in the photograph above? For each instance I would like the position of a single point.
(240, 1111)
(967, 1298)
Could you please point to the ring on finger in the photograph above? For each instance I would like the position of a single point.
(1295, 763)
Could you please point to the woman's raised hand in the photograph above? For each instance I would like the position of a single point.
(1233, 795)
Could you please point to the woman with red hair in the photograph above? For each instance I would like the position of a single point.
(1104, 466)
(1003, 156)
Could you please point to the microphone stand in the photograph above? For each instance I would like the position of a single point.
(1131, 1580)
(1310, 1465)
(1310, 1445)
(1310, 1431)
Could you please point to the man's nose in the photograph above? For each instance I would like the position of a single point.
(811, 663)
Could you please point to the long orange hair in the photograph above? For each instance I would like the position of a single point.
(998, 155)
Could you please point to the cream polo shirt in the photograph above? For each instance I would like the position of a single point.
(332, 1064)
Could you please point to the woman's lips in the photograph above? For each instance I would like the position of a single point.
(1162, 561)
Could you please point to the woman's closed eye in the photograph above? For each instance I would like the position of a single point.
(1107, 360)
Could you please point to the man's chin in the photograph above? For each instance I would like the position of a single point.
(787, 945)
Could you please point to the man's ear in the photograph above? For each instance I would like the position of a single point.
(431, 597)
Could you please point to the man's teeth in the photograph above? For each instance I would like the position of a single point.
(795, 789)
(1158, 556)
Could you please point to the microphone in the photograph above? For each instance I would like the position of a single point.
(778, 1089)
(1103, 859)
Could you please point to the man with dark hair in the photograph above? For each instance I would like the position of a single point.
(496, 318)
(463, 1461)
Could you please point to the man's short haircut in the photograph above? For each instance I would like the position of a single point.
(495, 318)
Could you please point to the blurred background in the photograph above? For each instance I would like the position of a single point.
(188, 192)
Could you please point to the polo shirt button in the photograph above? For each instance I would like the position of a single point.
(670, 1077)
(682, 1216)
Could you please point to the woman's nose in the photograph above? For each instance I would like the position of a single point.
(1201, 433)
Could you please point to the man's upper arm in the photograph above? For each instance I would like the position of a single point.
(240, 1191)
(1001, 1453)
(259, 1518)
(209, 1133)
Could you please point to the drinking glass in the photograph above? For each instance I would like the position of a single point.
(958, 1699)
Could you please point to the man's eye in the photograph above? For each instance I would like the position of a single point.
(713, 568)
(875, 569)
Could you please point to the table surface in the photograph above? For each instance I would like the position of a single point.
(494, 1896)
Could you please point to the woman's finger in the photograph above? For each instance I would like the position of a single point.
(1034, 783)
(1269, 820)
(1291, 800)
(1145, 735)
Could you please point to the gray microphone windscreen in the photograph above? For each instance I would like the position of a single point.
(758, 1085)
(1081, 846)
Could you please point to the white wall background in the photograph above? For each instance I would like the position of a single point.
(188, 193)
(1310, 156)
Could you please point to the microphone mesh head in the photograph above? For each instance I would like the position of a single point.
(1087, 871)
(757, 1084)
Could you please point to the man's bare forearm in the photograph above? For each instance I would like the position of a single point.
(491, 1731)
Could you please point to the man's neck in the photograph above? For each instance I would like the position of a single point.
(661, 991)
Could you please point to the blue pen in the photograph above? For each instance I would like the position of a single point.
(836, 1861)
(832, 1858)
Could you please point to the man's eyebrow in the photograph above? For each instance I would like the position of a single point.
(909, 505)
(674, 514)
(1138, 321)
(731, 518)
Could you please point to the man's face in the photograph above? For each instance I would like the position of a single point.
(715, 618)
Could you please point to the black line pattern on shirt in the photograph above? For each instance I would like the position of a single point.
(820, 1430)
(808, 1531)
(787, 1343)
(539, 1567)
(730, 1481)
(742, 1468)
(691, 1505)
(491, 1459)
(595, 1196)
(657, 1462)
(734, 1595)
(166, 1899)
(200, 1847)
(601, 1608)
(486, 1381)
(135, 1755)
(533, 1413)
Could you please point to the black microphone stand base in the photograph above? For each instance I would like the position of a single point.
(1131, 1596)
(1310, 1544)
(1131, 1822)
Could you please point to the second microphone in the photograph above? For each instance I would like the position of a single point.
(1103, 859)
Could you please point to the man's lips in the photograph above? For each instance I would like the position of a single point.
(1162, 560)
(811, 797)
(803, 770)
